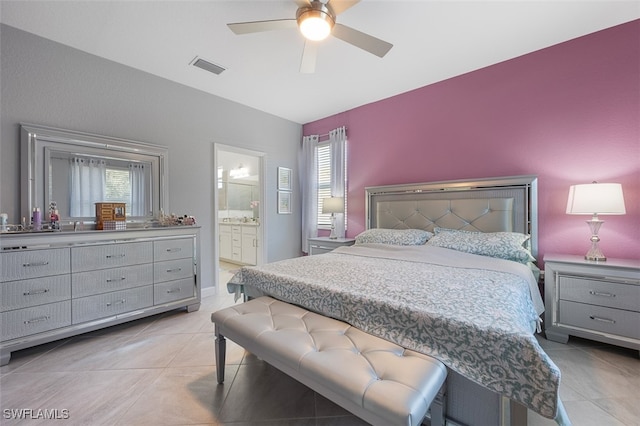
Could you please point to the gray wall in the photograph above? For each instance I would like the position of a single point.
(47, 83)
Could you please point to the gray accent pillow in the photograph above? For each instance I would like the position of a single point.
(503, 245)
(398, 237)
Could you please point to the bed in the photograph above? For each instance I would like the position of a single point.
(446, 269)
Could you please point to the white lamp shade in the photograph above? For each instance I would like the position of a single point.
(333, 205)
(596, 198)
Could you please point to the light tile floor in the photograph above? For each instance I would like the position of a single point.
(161, 371)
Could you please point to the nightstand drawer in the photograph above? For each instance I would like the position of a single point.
(599, 292)
(607, 320)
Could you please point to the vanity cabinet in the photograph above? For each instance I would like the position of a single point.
(238, 243)
(225, 243)
(56, 285)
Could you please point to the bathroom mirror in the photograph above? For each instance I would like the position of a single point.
(75, 170)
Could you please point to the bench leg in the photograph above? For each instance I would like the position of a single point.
(439, 407)
(221, 349)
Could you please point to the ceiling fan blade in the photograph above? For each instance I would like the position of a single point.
(339, 6)
(302, 3)
(260, 26)
(309, 54)
(359, 39)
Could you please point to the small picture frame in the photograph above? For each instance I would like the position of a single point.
(284, 179)
(284, 202)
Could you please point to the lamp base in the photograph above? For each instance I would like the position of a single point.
(594, 253)
(333, 235)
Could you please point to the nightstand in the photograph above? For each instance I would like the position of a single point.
(320, 245)
(594, 300)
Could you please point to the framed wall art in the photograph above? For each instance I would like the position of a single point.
(284, 179)
(284, 202)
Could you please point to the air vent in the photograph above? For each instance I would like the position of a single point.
(207, 66)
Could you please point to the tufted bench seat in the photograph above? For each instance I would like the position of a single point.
(378, 381)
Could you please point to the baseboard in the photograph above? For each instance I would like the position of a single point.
(208, 291)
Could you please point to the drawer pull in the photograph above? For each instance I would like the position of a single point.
(173, 250)
(117, 302)
(174, 270)
(110, 280)
(37, 320)
(599, 293)
(174, 290)
(32, 292)
(607, 320)
(115, 256)
(26, 265)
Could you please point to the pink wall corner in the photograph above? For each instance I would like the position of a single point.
(569, 114)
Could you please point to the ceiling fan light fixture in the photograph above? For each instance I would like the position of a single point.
(315, 24)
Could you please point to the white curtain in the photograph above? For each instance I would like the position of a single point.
(309, 189)
(337, 143)
(88, 185)
(138, 193)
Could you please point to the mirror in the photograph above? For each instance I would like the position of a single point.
(238, 200)
(75, 170)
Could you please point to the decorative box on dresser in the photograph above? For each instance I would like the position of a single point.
(60, 284)
(320, 245)
(594, 300)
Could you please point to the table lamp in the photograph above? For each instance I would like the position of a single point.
(333, 205)
(594, 199)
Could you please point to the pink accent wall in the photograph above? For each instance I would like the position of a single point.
(569, 114)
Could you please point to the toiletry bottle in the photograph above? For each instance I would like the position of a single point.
(55, 217)
(37, 219)
(4, 219)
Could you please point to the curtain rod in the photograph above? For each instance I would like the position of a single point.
(326, 134)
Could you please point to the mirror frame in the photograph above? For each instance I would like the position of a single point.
(38, 141)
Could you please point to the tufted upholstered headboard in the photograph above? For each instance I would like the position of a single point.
(486, 205)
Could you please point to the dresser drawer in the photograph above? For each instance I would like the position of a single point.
(37, 319)
(110, 304)
(110, 256)
(173, 290)
(172, 270)
(34, 263)
(106, 280)
(172, 249)
(599, 292)
(607, 320)
(36, 291)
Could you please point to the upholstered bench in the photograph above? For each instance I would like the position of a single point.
(378, 381)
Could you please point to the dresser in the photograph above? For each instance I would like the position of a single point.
(593, 300)
(59, 284)
(320, 245)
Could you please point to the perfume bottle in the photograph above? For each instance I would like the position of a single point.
(37, 219)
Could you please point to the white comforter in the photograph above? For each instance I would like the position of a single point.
(475, 314)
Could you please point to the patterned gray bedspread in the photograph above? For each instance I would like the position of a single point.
(475, 314)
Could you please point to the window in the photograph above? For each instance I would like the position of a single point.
(118, 187)
(324, 183)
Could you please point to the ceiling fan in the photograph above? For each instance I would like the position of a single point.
(316, 20)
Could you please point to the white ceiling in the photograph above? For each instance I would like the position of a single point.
(433, 41)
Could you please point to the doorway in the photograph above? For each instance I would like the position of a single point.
(238, 210)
